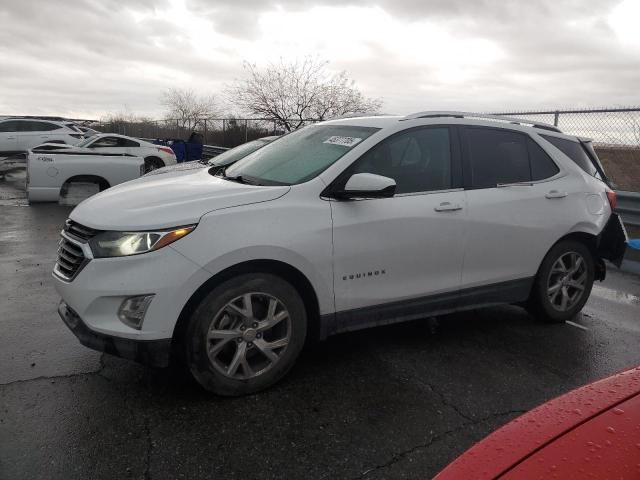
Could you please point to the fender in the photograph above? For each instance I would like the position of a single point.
(321, 284)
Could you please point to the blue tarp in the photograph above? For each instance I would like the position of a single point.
(185, 151)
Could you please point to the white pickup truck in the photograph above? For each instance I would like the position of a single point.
(50, 176)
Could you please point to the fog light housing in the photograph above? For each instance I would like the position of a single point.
(133, 309)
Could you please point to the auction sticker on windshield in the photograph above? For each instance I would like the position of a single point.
(344, 141)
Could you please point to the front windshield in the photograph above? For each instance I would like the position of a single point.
(235, 154)
(301, 155)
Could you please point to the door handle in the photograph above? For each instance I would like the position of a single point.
(447, 207)
(556, 194)
(11, 138)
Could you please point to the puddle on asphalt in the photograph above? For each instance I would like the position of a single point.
(614, 295)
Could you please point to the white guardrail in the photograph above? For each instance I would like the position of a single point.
(629, 207)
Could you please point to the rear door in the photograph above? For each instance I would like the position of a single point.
(517, 198)
(32, 133)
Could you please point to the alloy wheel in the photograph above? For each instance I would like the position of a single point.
(249, 335)
(567, 281)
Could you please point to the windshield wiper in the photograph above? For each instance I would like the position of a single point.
(241, 179)
(237, 178)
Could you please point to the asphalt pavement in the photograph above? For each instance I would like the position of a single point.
(395, 402)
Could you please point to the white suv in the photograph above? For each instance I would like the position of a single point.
(338, 226)
(20, 134)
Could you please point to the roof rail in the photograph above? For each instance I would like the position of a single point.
(483, 116)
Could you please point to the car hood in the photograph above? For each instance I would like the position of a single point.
(165, 201)
(558, 437)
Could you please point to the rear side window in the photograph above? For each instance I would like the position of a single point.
(496, 157)
(103, 142)
(541, 164)
(125, 142)
(575, 152)
(73, 127)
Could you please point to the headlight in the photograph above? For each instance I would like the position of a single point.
(121, 244)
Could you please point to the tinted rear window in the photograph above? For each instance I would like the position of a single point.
(542, 166)
(574, 151)
(497, 157)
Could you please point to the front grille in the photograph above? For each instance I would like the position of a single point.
(71, 257)
(78, 231)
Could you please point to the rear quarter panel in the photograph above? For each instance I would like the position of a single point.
(50, 171)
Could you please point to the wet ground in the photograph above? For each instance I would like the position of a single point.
(394, 402)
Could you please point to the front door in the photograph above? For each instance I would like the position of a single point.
(399, 257)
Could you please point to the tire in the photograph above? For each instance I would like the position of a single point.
(230, 349)
(152, 163)
(558, 294)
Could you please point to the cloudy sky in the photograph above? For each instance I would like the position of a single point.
(90, 58)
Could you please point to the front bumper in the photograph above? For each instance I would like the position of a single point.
(155, 353)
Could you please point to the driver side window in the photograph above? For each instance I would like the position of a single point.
(419, 160)
(108, 142)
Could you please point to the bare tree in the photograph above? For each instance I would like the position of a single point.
(126, 122)
(294, 93)
(188, 108)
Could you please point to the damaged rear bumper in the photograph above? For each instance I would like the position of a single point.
(612, 241)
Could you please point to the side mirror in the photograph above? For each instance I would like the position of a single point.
(367, 185)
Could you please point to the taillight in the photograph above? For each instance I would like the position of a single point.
(166, 150)
(613, 199)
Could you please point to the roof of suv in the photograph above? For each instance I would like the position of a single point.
(62, 123)
(383, 121)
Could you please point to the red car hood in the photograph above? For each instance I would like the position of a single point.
(591, 432)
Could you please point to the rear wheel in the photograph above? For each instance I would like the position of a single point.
(152, 163)
(246, 334)
(564, 282)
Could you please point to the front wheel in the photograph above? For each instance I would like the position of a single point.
(246, 334)
(563, 283)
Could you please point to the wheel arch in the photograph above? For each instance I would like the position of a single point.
(102, 182)
(155, 158)
(588, 239)
(294, 276)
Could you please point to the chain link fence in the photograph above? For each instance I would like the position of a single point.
(619, 127)
(222, 132)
